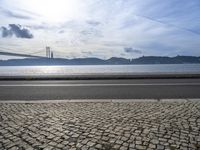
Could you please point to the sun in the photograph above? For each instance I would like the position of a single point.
(53, 10)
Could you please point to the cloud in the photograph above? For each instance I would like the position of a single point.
(37, 27)
(93, 23)
(5, 32)
(131, 27)
(9, 13)
(17, 30)
(169, 24)
(61, 31)
(91, 32)
(88, 53)
(131, 50)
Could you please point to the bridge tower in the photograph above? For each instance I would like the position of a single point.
(52, 55)
(48, 52)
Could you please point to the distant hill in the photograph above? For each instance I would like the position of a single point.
(97, 61)
(166, 60)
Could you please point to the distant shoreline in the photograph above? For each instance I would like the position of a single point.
(145, 60)
(93, 65)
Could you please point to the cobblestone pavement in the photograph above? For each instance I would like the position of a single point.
(131, 125)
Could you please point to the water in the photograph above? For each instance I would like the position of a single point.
(97, 69)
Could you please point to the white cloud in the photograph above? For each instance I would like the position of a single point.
(106, 27)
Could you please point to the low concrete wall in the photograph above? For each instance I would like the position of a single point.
(104, 76)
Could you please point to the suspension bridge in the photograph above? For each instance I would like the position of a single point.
(6, 52)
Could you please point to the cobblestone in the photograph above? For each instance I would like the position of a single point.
(96, 126)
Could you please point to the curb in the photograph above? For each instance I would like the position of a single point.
(100, 101)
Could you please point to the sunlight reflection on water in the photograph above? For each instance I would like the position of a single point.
(98, 69)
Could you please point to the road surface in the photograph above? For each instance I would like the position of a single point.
(100, 89)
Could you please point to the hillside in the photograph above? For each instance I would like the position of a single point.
(97, 61)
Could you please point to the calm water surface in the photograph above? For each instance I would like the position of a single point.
(99, 69)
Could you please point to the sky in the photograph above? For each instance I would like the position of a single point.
(101, 28)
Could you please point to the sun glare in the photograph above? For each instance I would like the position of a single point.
(53, 10)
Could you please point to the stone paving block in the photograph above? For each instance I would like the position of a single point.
(101, 125)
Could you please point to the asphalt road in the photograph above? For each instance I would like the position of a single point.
(100, 89)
